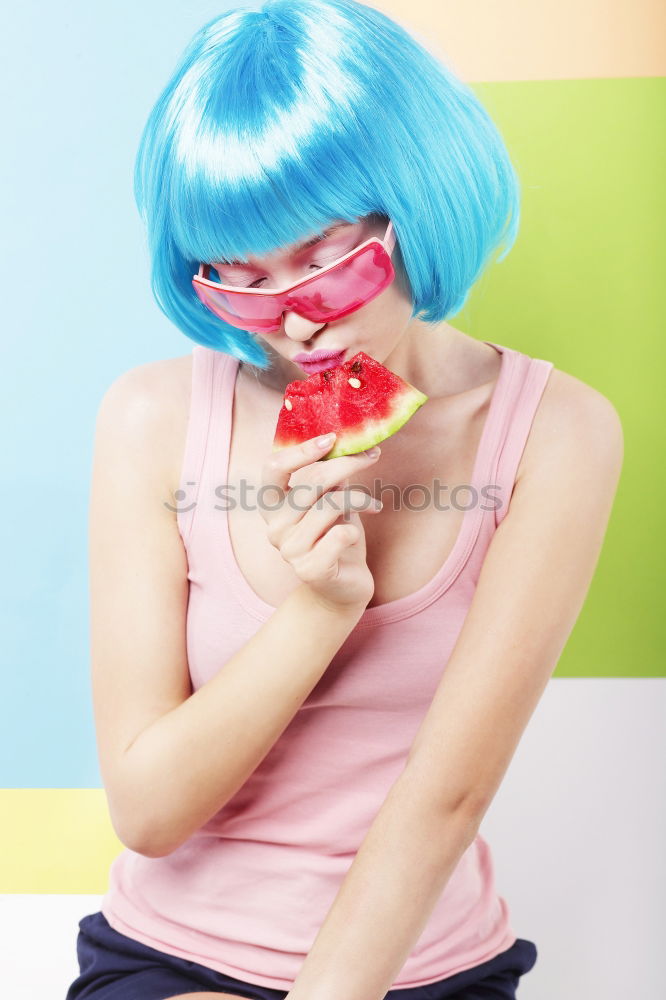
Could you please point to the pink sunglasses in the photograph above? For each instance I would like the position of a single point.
(334, 291)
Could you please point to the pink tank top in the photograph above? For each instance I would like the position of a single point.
(248, 892)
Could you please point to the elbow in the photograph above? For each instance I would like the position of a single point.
(150, 840)
(132, 838)
(150, 851)
(137, 819)
(142, 845)
(135, 833)
(149, 846)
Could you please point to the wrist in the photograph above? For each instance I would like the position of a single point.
(337, 611)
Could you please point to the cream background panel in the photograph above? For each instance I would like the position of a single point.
(485, 40)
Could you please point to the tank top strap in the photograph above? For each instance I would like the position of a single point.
(528, 381)
(207, 368)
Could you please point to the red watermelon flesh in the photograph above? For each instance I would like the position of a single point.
(361, 400)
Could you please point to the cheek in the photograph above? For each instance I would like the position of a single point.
(386, 322)
(396, 302)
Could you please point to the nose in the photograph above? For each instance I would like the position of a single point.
(299, 328)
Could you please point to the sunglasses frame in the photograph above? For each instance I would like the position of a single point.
(387, 243)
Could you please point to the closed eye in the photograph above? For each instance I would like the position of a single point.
(336, 251)
(255, 284)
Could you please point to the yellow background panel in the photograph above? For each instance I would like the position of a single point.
(56, 840)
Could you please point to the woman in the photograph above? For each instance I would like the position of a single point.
(305, 709)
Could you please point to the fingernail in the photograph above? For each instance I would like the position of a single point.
(326, 439)
(373, 452)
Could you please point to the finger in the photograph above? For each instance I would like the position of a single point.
(285, 472)
(321, 519)
(277, 469)
(329, 473)
(321, 563)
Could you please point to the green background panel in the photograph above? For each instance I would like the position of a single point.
(584, 288)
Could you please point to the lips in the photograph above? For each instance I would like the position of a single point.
(319, 361)
(313, 356)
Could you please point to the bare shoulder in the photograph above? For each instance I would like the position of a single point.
(573, 421)
(148, 405)
(154, 384)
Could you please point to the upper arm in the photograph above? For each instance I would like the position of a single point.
(532, 585)
(138, 576)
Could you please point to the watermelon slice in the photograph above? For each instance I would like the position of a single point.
(361, 400)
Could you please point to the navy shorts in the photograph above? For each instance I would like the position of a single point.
(115, 967)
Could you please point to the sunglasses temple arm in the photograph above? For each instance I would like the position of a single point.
(389, 238)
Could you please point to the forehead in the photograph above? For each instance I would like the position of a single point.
(337, 225)
(332, 226)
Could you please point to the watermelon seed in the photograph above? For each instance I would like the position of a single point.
(355, 382)
(287, 404)
(357, 367)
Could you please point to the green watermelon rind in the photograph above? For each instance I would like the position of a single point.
(406, 403)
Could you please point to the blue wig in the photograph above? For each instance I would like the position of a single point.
(280, 119)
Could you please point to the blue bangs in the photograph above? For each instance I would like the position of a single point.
(279, 120)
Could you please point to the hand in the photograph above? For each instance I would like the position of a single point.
(328, 556)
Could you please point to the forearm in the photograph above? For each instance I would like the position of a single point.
(387, 896)
(186, 766)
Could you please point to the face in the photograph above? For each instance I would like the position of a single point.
(377, 327)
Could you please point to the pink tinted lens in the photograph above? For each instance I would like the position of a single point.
(249, 312)
(323, 297)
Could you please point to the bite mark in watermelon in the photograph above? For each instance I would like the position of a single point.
(361, 400)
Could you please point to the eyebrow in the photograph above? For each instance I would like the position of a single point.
(302, 246)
